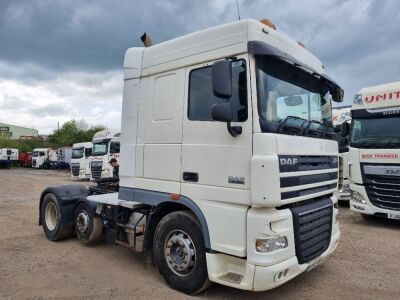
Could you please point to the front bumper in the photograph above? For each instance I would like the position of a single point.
(265, 271)
(366, 208)
(260, 278)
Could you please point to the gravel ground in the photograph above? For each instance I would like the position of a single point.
(364, 266)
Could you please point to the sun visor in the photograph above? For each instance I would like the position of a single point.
(263, 49)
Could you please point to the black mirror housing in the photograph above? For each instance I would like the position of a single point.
(222, 112)
(345, 130)
(221, 77)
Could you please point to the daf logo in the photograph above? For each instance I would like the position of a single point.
(392, 172)
(236, 180)
(288, 161)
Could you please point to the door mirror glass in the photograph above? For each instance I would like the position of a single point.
(222, 112)
(221, 77)
(345, 130)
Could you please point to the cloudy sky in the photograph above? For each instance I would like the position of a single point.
(62, 59)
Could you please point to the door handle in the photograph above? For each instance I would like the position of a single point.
(191, 176)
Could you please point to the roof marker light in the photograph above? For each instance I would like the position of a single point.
(301, 44)
(268, 23)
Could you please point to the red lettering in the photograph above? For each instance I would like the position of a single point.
(397, 94)
(368, 100)
(378, 97)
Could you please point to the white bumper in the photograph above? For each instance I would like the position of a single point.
(367, 208)
(265, 271)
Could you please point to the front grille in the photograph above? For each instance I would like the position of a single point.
(75, 169)
(96, 169)
(312, 228)
(383, 190)
(321, 174)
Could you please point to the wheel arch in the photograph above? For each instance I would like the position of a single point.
(67, 197)
(163, 205)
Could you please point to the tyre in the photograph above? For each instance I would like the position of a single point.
(179, 253)
(50, 214)
(88, 226)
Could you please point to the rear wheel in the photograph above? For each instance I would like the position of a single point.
(179, 253)
(88, 226)
(50, 214)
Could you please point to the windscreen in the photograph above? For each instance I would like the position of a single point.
(285, 92)
(375, 133)
(77, 152)
(100, 148)
(35, 154)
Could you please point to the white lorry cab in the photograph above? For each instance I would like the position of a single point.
(80, 160)
(228, 161)
(44, 158)
(8, 157)
(374, 164)
(106, 145)
(339, 116)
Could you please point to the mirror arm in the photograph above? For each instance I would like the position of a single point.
(233, 130)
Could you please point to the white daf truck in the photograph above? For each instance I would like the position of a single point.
(339, 116)
(374, 165)
(106, 145)
(228, 166)
(8, 157)
(80, 160)
(44, 158)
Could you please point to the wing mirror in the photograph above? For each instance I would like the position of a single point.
(345, 130)
(221, 77)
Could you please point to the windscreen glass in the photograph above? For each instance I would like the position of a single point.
(100, 148)
(375, 133)
(77, 152)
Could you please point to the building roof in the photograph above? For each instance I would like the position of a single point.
(28, 128)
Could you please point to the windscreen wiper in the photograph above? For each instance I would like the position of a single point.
(292, 124)
(391, 142)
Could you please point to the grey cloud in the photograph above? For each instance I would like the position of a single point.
(74, 49)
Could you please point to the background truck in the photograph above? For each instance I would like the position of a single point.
(339, 116)
(374, 164)
(106, 145)
(25, 159)
(64, 155)
(8, 157)
(44, 158)
(80, 160)
(229, 162)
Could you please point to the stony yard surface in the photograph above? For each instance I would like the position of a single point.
(365, 266)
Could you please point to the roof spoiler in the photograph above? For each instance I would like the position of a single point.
(261, 48)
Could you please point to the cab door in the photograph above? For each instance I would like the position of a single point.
(215, 165)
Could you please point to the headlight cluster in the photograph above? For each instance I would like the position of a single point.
(357, 197)
(271, 244)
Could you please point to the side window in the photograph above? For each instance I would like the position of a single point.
(114, 148)
(88, 152)
(201, 96)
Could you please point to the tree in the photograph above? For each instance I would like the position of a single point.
(74, 131)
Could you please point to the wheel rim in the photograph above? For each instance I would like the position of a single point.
(82, 221)
(51, 216)
(180, 253)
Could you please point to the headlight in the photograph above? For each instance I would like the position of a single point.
(271, 244)
(357, 197)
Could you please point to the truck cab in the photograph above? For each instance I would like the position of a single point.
(106, 145)
(374, 164)
(229, 162)
(80, 160)
(8, 157)
(44, 158)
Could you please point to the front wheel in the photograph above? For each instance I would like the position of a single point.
(179, 253)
